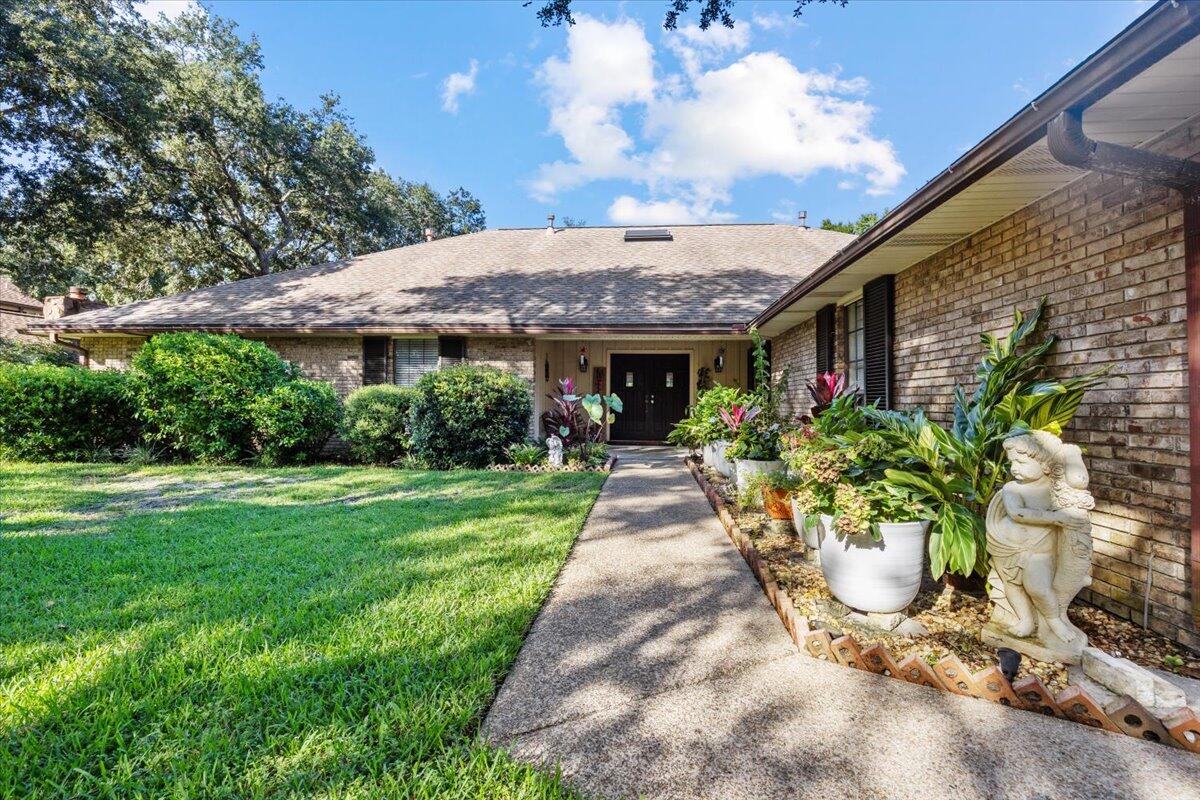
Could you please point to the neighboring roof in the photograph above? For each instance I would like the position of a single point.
(11, 295)
(708, 279)
(1142, 83)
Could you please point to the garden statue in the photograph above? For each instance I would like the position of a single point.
(1040, 542)
(555, 446)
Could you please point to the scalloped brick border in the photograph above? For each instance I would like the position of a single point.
(1124, 715)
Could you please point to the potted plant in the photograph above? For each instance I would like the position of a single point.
(872, 538)
(776, 490)
(702, 428)
(827, 387)
(814, 466)
(755, 448)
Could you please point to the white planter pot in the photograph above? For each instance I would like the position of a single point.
(810, 533)
(747, 469)
(719, 462)
(881, 576)
(706, 453)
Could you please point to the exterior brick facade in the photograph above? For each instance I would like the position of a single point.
(336, 359)
(1108, 254)
(13, 320)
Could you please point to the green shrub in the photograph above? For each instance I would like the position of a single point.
(703, 424)
(50, 413)
(466, 416)
(376, 425)
(16, 351)
(293, 421)
(526, 454)
(195, 392)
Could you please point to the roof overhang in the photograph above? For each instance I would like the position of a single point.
(62, 327)
(1140, 85)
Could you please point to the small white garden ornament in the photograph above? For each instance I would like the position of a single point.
(555, 446)
(1039, 538)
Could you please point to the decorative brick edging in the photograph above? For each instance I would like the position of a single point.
(607, 466)
(1124, 715)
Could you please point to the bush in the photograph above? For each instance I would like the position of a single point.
(293, 421)
(63, 413)
(195, 392)
(466, 416)
(16, 351)
(526, 454)
(376, 425)
(703, 424)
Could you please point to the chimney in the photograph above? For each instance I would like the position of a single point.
(549, 223)
(803, 219)
(75, 301)
(429, 234)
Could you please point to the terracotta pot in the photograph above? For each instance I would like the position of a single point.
(775, 502)
(747, 469)
(867, 575)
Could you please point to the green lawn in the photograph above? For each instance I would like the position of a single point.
(325, 632)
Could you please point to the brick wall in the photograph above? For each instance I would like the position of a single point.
(111, 352)
(1108, 254)
(336, 359)
(511, 354)
(12, 321)
(795, 351)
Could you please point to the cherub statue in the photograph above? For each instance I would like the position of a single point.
(1040, 542)
(555, 446)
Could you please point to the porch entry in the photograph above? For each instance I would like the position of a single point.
(654, 388)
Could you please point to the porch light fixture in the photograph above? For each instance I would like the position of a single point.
(719, 361)
(583, 359)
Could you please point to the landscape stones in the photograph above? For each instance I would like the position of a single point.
(1123, 677)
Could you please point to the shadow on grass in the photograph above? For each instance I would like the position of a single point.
(279, 643)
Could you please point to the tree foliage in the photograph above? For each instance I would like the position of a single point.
(858, 227)
(556, 12)
(144, 158)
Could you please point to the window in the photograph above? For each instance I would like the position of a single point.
(414, 357)
(854, 345)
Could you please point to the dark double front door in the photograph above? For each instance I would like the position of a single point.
(654, 390)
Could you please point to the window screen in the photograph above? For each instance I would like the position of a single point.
(414, 357)
(854, 344)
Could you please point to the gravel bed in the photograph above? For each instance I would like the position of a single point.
(953, 618)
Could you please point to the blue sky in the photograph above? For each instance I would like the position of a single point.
(617, 122)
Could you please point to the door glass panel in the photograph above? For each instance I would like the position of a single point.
(629, 379)
(670, 380)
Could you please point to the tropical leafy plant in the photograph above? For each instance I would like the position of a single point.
(827, 387)
(526, 454)
(703, 424)
(956, 472)
(579, 420)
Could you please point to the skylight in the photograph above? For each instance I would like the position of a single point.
(648, 235)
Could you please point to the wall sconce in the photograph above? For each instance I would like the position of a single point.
(583, 359)
(719, 361)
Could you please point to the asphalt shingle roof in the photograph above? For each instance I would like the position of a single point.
(9, 293)
(509, 279)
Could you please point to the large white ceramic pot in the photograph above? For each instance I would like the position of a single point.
(867, 575)
(748, 469)
(810, 533)
(719, 462)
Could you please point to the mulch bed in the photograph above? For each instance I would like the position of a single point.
(954, 619)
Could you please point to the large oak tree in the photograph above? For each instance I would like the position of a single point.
(145, 158)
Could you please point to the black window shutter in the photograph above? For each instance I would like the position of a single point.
(878, 324)
(452, 349)
(374, 354)
(825, 333)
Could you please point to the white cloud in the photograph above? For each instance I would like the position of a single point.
(457, 84)
(704, 131)
(151, 10)
(627, 210)
(774, 21)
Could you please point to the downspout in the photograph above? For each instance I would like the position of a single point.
(1069, 145)
(74, 346)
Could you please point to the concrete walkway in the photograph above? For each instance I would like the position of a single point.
(657, 669)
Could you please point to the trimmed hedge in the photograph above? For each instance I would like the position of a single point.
(50, 413)
(293, 421)
(465, 416)
(195, 392)
(376, 425)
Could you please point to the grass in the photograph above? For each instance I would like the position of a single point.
(324, 632)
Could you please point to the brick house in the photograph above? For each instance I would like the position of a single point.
(1109, 232)
(17, 311)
